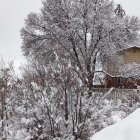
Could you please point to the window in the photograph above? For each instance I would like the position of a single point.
(121, 80)
(134, 50)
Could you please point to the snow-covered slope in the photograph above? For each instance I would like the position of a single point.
(127, 129)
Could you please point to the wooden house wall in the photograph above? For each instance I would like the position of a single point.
(132, 56)
(128, 83)
(129, 56)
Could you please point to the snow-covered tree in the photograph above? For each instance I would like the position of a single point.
(77, 30)
(63, 44)
(7, 97)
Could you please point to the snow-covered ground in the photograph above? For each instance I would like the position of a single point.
(127, 129)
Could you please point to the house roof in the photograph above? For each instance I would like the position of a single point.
(129, 70)
(129, 47)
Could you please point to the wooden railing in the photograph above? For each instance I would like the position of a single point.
(126, 95)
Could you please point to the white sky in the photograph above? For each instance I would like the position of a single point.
(13, 13)
(132, 7)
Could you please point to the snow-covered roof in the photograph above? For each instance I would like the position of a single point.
(127, 129)
(99, 77)
(127, 71)
(131, 70)
(129, 47)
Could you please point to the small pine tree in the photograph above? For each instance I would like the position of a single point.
(119, 11)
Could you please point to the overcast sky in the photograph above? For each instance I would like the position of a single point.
(13, 13)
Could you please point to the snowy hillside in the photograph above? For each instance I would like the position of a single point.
(127, 129)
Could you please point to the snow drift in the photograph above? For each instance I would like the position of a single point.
(127, 129)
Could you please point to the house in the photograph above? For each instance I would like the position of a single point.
(127, 73)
